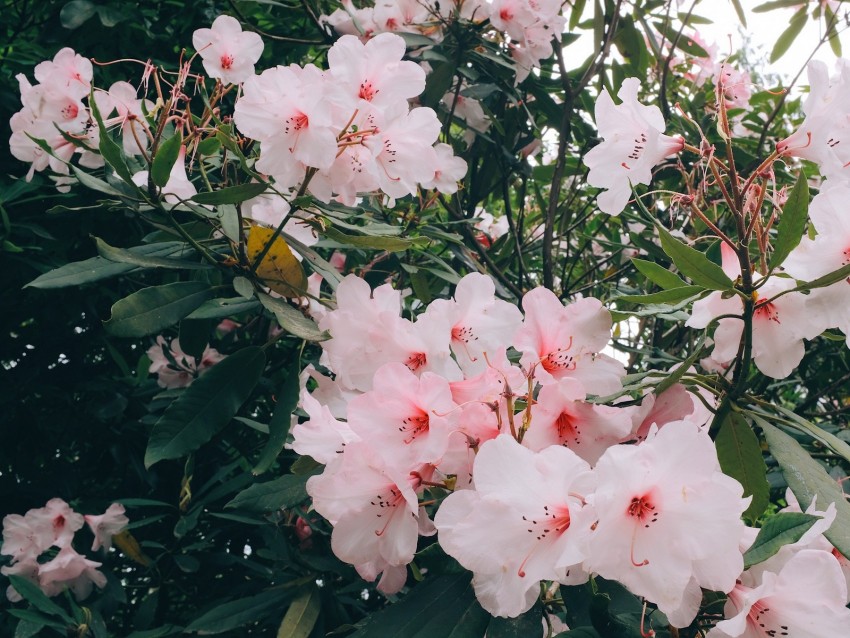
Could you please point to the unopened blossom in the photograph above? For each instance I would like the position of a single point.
(560, 341)
(633, 143)
(669, 520)
(804, 599)
(824, 136)
(107, 525)
(228, 53)
(176, 369)
(828, 307)
(524, 521)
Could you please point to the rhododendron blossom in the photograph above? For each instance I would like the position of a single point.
(229, 54)
(634, 142)
(176, 369)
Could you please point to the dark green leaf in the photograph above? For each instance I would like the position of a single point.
(134, 257)
(153, 309)
(673, 377)
(292, 320)
(224, 307)
(165, 158)
(807, 479)
(524, 625)
(658, 274)
(827, 280)
(673, 295)
(302, 615)
(209, 146)
(740, 457)
(159, 632)
(740, 11)
(792, 223)
(438, 82)
(112, 153)
(287, 400)
(775, 4)
(694, 264)
(581, 632)
(194, 335)
(391, 244)
(206, 406)
(281, 493)
(787, 37)
(94, 183)
(27, 615)
(443, 606)
(76, 13)
(779, 530)
(33, 595)
(231, 194)
(97, 268)
(236, 613)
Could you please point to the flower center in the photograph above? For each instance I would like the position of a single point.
(554, 520)
(642, 509)
(414, 426)
(416, 361)
(766, 310)
(463, 334)
(558, 360)
(226, 61)
(368, 91)
(385, 506)
(568, 429)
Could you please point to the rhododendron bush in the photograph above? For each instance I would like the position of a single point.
(508, 318)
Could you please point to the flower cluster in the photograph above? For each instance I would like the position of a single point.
(348, 130)
(27, 538)
(176, 369)
(475, 399)
(527, 27)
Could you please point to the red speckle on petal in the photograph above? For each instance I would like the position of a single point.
(506, 15)
(766, 310)
(226, 61)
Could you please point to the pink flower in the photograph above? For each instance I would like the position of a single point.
(734, 84)
(560, 417)
(524, 522)
(70, 570)
(107, 525)
(669, 520)
(828, 307)
(450, 169)
(178, 187)
(129, 115)
(633, 144)
(804, 599)
(827, 124)
(68, 73)
(322, 436)
(176, 369)
(228, 53)
(558, 342)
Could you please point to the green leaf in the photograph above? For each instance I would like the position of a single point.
(281, 493)
(151, 310)
(575, 14)
(779, 530)
(36, 618)
(194, 336)
(787, 37)
(740, 11)
(740, 457)
(111, 152)
(292, 320)
(390, 244)
(807, 479)
(76, 13)
(673, 295)
(524, 625)
(159, 632)
(165, 158)
(94, 183)
(580, 632)
(224, 307)
(694, 264)
(829, 440)
(792, 223)
(206, 406)
(33, 595)
(209, 146)
(231, 194)
(438, 82)
(673, 377)
(658, 274)
(443, 606)
(97, 268)
(827, 280)
(775, 4)
(129, 256)
(302, 615)
(236, 613)
(287, 400)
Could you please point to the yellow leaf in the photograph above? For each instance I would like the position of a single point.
(129, 546)
(279, 269)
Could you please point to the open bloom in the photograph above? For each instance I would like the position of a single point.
(228, 53)
(669, 521)
(524, 522)
(633, 144)
(107, 525)
(827, 122)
